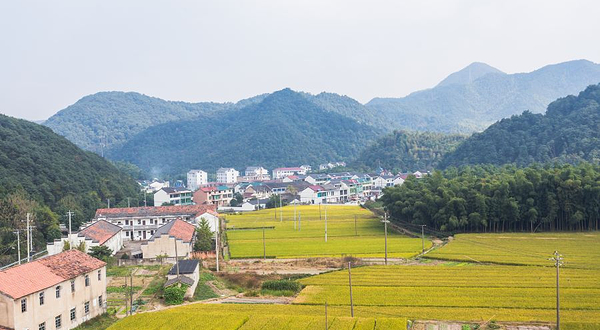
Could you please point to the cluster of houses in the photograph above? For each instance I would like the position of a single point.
(293, 184)
(68, 287)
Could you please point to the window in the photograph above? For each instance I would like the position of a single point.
(99, 275)
(100, 301)
(58, 322)
(23, 305)
(126, 222)
(58, 291)
(127, 233)
(42, 326)
(73, 313)
(86, 307)
(41, 298)
(87, 280)
(72, 285)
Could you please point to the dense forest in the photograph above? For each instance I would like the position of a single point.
(569, 132)
(404, 151)
(44, 174)
(477, 96)
(499, 199)
(286, 128)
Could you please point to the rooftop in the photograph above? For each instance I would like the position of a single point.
(185, 267)
(25, 279)
(289, 169)
(178, 228)
(181, 279)
(149, 211)
(100, 231)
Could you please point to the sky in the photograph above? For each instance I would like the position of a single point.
(55, 52)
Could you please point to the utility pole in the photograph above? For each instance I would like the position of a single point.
(325, 223)
(28, 239)
(558, 261)
(69, 214)
(300, 221)
(320, 212)
(385, 222)
(264, 245)
(350, 282)
(295, 219)
(128, 204)
(217, 241)
(280, 209)
(108, 199)
(145, 202)
(131, 293)
(423, 238)
(18, 245)
(326, 323)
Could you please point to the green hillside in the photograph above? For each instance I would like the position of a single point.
(286, 128)
(477, 96)
(407, 151)
(44, 174)
(569, 132)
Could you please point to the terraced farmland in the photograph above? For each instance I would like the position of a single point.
(250, 317)
(306, 238)
(580, 250)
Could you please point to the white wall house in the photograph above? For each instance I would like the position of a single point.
(256, 173)
(195, 178)
(282, 172)
(227, 175)
(211, 217)
(172, 195)
(98, 233)
(312, 195)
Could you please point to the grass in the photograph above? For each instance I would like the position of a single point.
(249, 317)
(305, 239)
(98, 323)
(580, 250)
(203, 291)
(120, 289)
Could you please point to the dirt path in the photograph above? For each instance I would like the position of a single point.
(445, 325)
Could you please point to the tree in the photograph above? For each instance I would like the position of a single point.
(274, 201)
(204, 237)
(237, 200)
(101, 252)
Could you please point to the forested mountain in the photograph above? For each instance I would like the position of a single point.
(404, 151)
(44, 174)
(112, 118)
(477, 96)
(499, 199)
(568, 132)
(286, 128)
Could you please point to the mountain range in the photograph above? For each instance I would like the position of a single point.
(144, 130)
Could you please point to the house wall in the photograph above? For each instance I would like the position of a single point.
(161, 197)
(7, 318)
(165, 245)
(212, 220)
(115, 243)
(36, 313)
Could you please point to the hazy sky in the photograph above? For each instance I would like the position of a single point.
(55, 52)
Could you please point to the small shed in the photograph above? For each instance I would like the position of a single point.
(189, 273)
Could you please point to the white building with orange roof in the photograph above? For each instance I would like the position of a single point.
(56, 292)
(176, 238)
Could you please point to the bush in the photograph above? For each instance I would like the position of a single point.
(282, 285)
(174, 294)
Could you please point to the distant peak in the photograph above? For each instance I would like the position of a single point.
(469, 74)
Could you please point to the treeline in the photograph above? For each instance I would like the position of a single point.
(45, 175)
(499, 199)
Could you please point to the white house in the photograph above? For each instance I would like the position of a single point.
(172, 195)
(227, 175)
(211, 217)
(246, 207)
(98, 233)
(312, 195)
(195, 178)
(256, 173)
(282, 172)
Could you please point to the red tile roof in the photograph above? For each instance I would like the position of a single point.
(315, 188)
(149, 211)
(177, 228)
(100, 231)
(19, 281)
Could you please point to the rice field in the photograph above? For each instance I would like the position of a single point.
(580, 250)
(250, 317)
(351, 231)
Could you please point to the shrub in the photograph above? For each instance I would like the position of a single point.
(174, 294)
(282, 285)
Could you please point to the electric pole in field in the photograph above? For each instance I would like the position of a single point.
(264, 245)
(280, 209)
(295, 219)
(326, 323)
(325, 223)
(300, 221)
(385, 222)
(423, 238)
(217, 241)
(558, 261)
(70, 214)
(350, 284)
(320, 212)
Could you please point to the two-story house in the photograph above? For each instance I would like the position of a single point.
(227, 175)
(56, 292)
(173, 195)
(220, 195)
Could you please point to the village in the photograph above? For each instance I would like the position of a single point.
(67, 286)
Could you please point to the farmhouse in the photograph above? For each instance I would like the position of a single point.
(220, 195)
(188, 274)
(55, 292)
(98, 233)
(227, 175)
(282, 172)
(140, 223)
(173, 195)
(175, 238)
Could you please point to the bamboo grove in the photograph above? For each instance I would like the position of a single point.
(500, 199)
